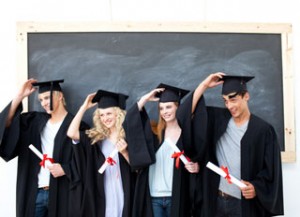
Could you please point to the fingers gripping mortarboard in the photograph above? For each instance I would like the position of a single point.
(106, 99)
(171, 93)
(233, 83)
(49, 86)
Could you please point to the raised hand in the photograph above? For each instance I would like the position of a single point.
(27, 88)
(149, 97)
(213, 80)
(87, 104)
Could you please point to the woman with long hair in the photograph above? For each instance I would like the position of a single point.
(163, 182)
(106, 192)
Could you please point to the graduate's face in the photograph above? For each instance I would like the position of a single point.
(108, 117)
(236, 104)
(44, 99)
(167, 111)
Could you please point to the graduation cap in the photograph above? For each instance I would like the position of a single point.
(171, 93)
(106, 99)
(49, 86)
(234, 83)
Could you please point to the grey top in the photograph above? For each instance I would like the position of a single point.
(229, 155)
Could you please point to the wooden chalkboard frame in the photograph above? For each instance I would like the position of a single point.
(285, 30)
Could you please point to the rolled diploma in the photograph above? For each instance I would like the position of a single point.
(111, 155)
(219, 171)
(176, 149)
(40, 155)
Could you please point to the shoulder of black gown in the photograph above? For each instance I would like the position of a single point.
(183, 113)
(139, 137)
(218, 119)
(217, 116)
(218, 112)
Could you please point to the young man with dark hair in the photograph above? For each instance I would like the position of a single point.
(248, 147)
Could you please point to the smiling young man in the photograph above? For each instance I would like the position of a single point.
(248, 147)
(42, 191)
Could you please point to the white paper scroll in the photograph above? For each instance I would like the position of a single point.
(40, 155)
(176, 149)
(105, 164)
(222, 173)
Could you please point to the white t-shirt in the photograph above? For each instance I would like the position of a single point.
(161, 172)
(47, 138)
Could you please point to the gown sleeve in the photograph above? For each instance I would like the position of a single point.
(199, 130)
(80, 154)
(193, 127)
(184, 118)
(10, 136)
(268, 182)
(139, 137)
(3, 118)
(70, 167)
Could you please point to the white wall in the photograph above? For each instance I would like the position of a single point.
(140, 10)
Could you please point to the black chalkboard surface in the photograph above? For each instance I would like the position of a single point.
(136, 62)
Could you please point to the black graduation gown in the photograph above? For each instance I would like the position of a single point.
(26, 129)
(260, 165)
(199, 149)
(89, 159)
(142, 146)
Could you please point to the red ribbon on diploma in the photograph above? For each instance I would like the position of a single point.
(188, 159)
(177, 156)
(42, 163)
(110, 161)
(227, 177)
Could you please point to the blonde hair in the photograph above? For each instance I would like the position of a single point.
(100, 132)
(63, 96)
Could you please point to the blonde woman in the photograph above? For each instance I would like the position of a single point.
(106, 194)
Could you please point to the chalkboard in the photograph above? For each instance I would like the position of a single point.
(136, 62)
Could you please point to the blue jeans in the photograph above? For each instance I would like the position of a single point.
(41, 203)
(161, 206)
(228, 207)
